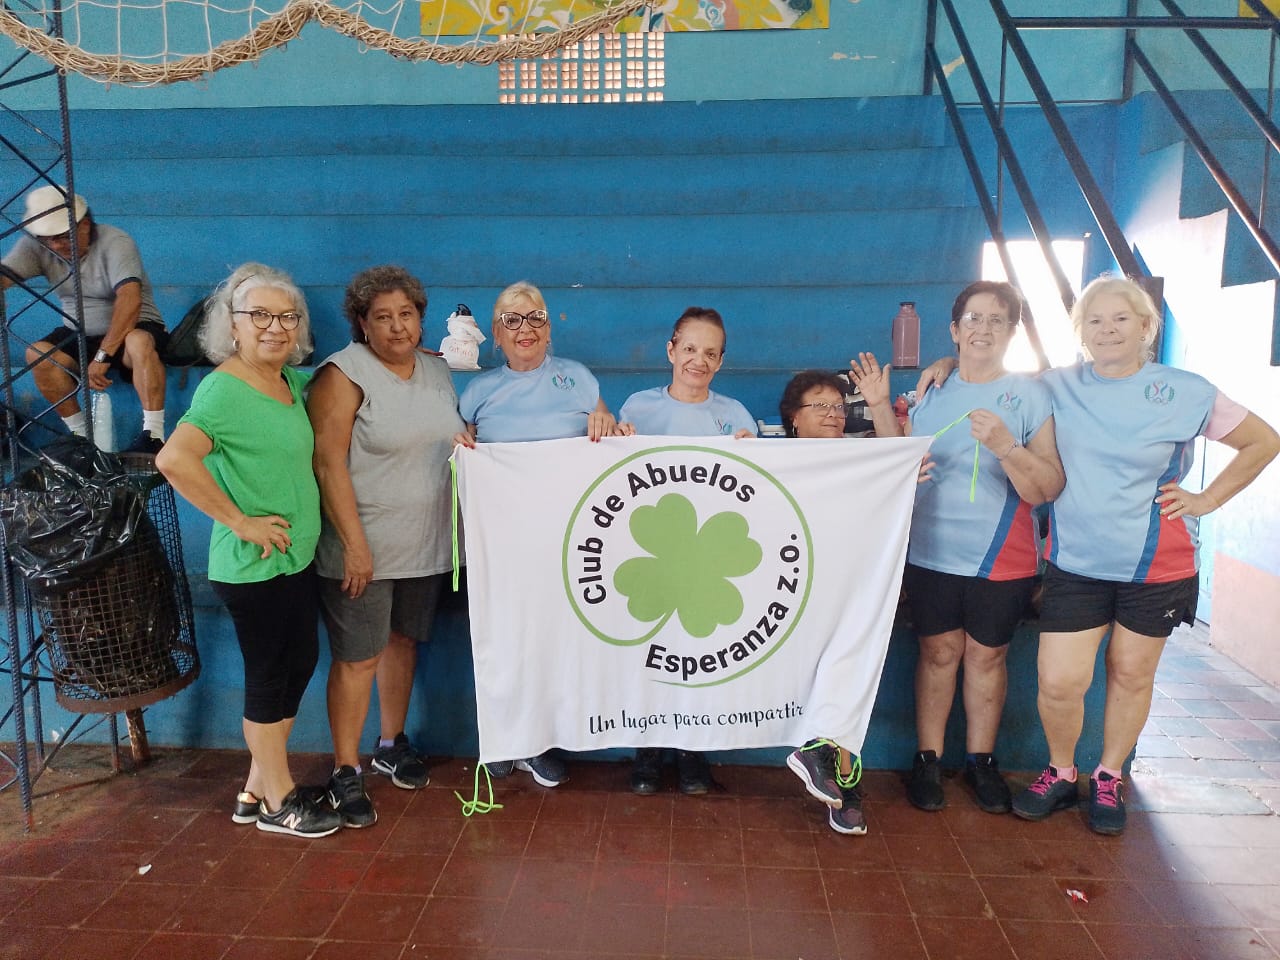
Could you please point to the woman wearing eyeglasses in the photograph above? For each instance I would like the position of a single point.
(971, 559)
(242, 455)
(688, 407)
(533, 396)
(812, 408)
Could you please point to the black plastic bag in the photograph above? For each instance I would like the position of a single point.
(77, 530)
(64, 519)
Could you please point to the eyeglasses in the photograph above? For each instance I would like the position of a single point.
(262, 319)
(828, 409)
(535, 319)
(972, 321)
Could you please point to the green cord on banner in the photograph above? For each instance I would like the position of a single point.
(977, 449)
(475, 804)
(453, 477)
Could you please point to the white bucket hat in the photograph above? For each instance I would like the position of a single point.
(48, 207)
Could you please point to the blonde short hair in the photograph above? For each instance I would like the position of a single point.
(1139, 301)
(521, 289)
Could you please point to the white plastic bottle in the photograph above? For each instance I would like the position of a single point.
(104, 434)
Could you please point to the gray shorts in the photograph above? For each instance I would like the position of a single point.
(359, 629)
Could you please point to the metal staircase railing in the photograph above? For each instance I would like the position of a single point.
(1175, 19)
(46, 159)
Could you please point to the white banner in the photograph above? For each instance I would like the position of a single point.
(692, 592)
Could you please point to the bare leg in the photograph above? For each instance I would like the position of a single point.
(1066, 670)
(985, 683)
(53, 378)
(269, 772)
(143, 361)
(1131, 674)
(350, 684)
(395, 683)
(940, 656)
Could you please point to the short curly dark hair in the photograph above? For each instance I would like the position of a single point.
(793, 394)
(368, 285)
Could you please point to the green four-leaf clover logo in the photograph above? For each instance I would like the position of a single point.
(688, 570)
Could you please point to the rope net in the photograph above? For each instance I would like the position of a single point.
(173, 41)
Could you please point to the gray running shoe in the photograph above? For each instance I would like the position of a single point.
(815, 765)
(548, 770)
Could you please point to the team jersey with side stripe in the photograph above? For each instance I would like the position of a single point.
(1120, 440)
(992, 537)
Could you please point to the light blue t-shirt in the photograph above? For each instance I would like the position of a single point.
(1120, 440)
(657, 412)
(550, 402)
(992, 537)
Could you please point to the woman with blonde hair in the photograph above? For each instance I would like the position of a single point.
(1122, 536)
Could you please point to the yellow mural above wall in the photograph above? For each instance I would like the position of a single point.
(1248, 11)
(460, 18)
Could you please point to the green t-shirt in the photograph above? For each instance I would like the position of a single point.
(261, 458)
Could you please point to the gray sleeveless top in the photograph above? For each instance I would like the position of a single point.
(399, 464)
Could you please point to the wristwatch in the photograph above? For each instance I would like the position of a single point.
(102, 357)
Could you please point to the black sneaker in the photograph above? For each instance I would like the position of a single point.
(144, 443)
(299, 816)
(815, 764)
(990, 792)
(246, 808)
(406, 767)
(646, 771)
(347, 796)
(500, 769)
(694, 771)
(548, 770)
(1106, 805)
(924, 786)
(1049, 792)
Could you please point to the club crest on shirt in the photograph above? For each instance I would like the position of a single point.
(562, 382)
(724, 427)
(1159, 392)
(1009, 401)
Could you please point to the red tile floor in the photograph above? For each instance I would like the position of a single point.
(149, 865)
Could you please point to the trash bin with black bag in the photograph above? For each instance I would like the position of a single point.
(108, 588)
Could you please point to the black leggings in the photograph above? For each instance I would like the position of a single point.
(275, 622)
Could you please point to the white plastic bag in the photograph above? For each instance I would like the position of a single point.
(461, 348)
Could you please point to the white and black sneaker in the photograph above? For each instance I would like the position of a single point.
(300, 816)
(548, 770)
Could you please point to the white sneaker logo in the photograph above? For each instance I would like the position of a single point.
(292, 821)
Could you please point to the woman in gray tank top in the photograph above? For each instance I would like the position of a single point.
(384, 414)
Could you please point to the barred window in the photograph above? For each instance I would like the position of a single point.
(605, 68)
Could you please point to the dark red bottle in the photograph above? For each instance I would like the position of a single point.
(906, 336)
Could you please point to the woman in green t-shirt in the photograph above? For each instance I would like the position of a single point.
(242, 455)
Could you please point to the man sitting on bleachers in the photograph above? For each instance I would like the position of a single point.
(122, 326)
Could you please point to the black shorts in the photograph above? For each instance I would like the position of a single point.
(64, 339)
(1073, 603)
(987, 610)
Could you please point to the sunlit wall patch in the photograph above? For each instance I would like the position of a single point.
(696, 554)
